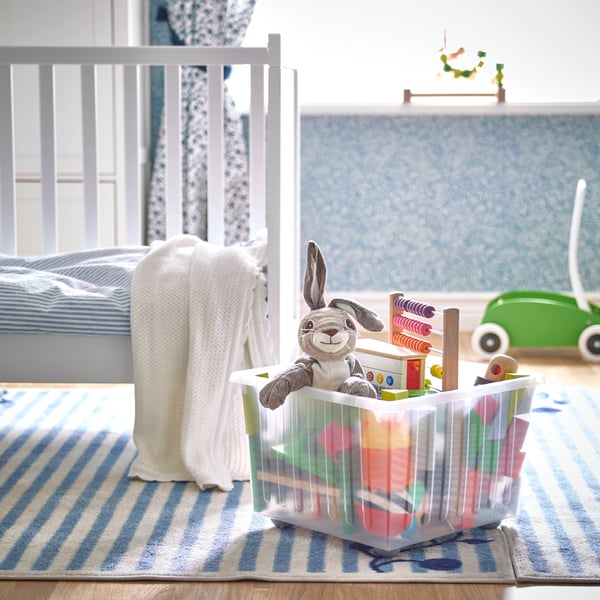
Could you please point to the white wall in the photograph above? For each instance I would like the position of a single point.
(354, 52)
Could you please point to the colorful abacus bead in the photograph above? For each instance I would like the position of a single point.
(414, 307)
(414, 344)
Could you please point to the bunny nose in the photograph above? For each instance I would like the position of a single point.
(331, 332)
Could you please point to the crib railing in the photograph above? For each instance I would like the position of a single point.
(273, 150)
(130, 61)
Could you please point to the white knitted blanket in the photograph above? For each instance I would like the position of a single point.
(198, 313)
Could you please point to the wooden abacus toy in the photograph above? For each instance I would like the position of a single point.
(402, 332)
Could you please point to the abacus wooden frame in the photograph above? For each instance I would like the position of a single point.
(449, 334)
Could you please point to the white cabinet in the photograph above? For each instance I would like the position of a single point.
(69, 23)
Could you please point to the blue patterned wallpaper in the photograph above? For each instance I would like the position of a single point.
(450, 203)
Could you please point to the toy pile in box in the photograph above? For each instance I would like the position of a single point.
(388, 474)
(357, 443)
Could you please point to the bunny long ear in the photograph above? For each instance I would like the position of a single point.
(365, 316)
(315, 277)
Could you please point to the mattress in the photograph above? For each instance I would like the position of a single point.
(86, 292)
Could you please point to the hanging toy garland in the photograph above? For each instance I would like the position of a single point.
(466, 73)
(446, 57)
(497, 80)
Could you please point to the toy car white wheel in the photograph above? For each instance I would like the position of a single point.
(589, 343)
(489, 339)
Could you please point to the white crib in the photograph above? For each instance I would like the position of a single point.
(273, 183)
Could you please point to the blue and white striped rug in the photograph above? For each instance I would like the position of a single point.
(556, 536)
(68, 510)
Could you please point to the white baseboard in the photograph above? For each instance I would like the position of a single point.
(470, 304)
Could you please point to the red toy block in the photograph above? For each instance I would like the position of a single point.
(386, 470)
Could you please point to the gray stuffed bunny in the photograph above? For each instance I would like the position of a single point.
(327, 337)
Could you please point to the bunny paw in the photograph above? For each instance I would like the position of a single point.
(273, 395)
(356, 386)
(297, 376)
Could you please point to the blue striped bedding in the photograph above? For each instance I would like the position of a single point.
(85, 292)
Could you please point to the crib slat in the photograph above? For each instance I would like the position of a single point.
(257, 183)
(216, 157)
(90, 155)
(133, 216)
(282, 218)
(8, 216)
(172, 118)
(48, 158)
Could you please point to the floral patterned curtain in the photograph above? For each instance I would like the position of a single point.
(207, 23)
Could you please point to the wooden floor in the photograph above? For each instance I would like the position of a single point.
(560, 367)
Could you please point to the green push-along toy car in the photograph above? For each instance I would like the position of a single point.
(543, 319)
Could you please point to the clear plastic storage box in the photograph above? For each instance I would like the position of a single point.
(388, 474)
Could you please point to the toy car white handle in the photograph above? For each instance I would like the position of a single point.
(582, 303)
